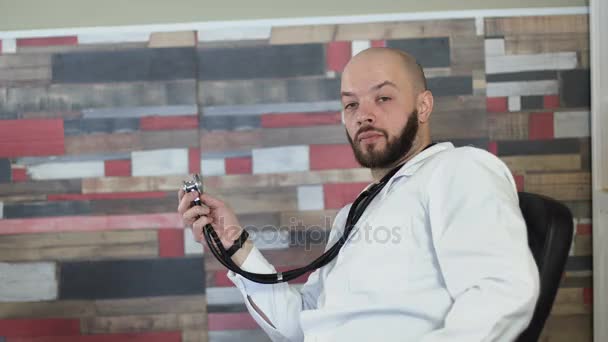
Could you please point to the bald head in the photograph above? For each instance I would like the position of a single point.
(397, 60)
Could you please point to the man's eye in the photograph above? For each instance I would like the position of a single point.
(351, 105)
(384, 98)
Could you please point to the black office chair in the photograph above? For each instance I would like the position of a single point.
(550, 229)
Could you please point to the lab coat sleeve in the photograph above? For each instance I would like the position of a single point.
(281, 303)
(480, 239)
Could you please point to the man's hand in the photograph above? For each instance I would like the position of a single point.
(213, 211)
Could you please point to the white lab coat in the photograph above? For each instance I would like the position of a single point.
(441, 254)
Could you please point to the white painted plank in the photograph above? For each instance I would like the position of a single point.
(258, 109)
(213, 167)
(28, 282)
(360, 45)
(310, 197)
(191, 247)
(514, 103)
(571, 124)
(234, 33)
(1, 210)
(173, 161)
(495, 89)
(65, 170)
(9, 45)
(480, 26)
(137, 112)
(266, 239)
(543, 61)
(114, 37)
(495, 47)
(27, 161)
(281, 159)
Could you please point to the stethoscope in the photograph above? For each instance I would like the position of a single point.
(354, 214)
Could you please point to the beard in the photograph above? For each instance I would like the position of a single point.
(395, 149)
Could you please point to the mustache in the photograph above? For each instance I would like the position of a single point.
(368, 129)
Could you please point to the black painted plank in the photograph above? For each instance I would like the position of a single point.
(429, 52)
(537, 147)
(63, 186)
(451, 85)
(230, 122)
(575, 88)
(124, 206)
(225, 308)
(131, 278)
(532, 102)
(125, 65)
(579, 263)
(261, 62)
(102, 125)
(313, 89)
(46, 209)
(5, 170)
(523, 76)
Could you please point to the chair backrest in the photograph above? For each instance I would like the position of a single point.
(550, 229)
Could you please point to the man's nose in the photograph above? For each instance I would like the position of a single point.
(365, 114)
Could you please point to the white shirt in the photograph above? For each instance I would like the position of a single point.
(440, 254)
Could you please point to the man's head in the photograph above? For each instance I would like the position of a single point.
(385, 107)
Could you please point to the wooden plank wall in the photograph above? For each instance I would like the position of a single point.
(87, 202)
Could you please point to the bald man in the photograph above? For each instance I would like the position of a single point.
(439, 254)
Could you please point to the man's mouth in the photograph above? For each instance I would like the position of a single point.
(369, 136)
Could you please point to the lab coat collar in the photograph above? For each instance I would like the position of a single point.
(412, 165)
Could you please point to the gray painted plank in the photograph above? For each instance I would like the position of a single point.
(46, 209)
(451, 85)
(429, 52)
(256, 335)
(523, 76)
(575, 88)
(149, 64)
(5, 170)
(100, 125)
(532, 102)
(258, 109)
(137, 112)
(278, 61)
(231, 123)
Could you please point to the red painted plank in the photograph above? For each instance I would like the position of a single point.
(377, 43)
(194, 160)
(277, 120)
(0, 46)
(493, 147)
(238, 166)
(231, 321)
(519, 182)
(583, 229)
(332, 156)
(335, 196)
(39, 327)
(155, 123)
(106, 195)
(47, 41)
(551, 101)
(89, 223)
(19, 175)
(221, 277)
(338, 54)
(33, 137)
(540, 126)
(175, 336)
(170, 243)
(497, 105)
(117, 168)
(588, 295)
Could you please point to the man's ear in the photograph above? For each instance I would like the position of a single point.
(424, 106)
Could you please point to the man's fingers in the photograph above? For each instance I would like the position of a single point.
(212, 202)
(180, 194)
(186, 201)
(193, 214)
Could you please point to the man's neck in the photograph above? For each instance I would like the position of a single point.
(378, 173)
